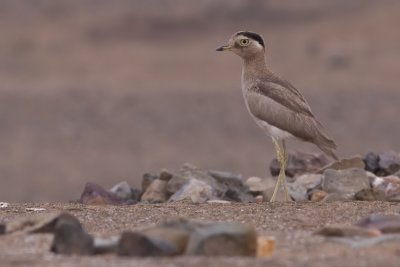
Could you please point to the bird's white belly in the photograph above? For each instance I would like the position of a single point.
(272, 130)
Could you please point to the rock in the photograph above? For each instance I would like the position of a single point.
(225, 185)
(267, 194)
(258, 185)
(389, 186)
(183, 224)
(94, 194)
(318, 195)
(147, 180)
(300, 163)
(196, 191)
(218, 201)
(370, 194)
(4, 205)
(381, 222)
(49, 222)
(332, 197)
(259, 199)
(103, 246)
(236, 189)
(221, 175)
(299, 189)
(371, 177)
(136, 244)
(190, 171)
(389, 163)
(397, 174)
(40, 223)
(2, 228)
(35, 209)
(265, 246)
(347, 231)
(165, 175)
(344, 164)
(156, 192)
(176, 183)
(70, 238)
(122, 190)
(223, 239)
(176, 237)
(371, 161)
(345, 182)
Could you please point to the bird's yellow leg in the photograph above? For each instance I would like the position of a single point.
(282, 156)
(279, 158)
(282, 174)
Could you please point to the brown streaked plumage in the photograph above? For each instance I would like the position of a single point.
(275, 104)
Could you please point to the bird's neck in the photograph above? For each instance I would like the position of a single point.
(254, 67)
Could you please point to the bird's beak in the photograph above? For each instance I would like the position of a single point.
(224, 48)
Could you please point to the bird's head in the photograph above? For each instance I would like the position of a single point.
(245, 44)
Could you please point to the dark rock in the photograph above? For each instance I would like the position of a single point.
(371, 161)
(196, 191)
(122, 190)
(136, 195)
(345, 182)
(236, 189)
(381, 222)
(70, 237)
(167, 239)
(156, 192)
(344, 164)
(299, 189)
(147, 180)
(300, 163)
(347, 231)
(370, 194)
(94, 194)
(136, 244)
(176, 237)
(165, 175)
(389, 163)
(2, 228)
(48, 222)
(223, 239)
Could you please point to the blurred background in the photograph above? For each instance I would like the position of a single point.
(105, 91)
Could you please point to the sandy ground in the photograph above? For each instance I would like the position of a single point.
(292, 224)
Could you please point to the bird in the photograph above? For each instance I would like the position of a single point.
(275, 104)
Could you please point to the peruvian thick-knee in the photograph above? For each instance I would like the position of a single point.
(275, 105)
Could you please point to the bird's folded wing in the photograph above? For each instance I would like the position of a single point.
(285, 94)
(291, 115)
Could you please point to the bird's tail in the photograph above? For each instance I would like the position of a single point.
(323, 142)
(327, 145)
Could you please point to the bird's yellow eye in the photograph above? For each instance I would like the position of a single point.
(244, 42)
